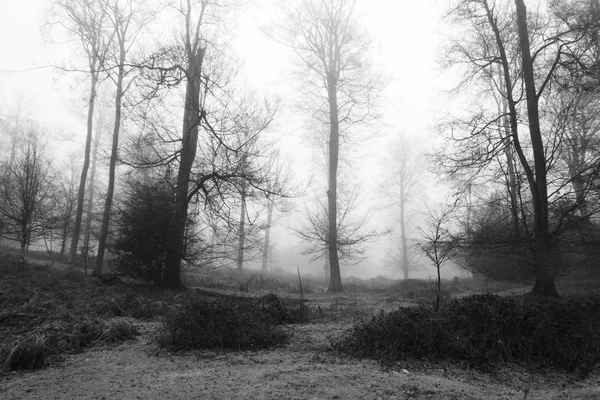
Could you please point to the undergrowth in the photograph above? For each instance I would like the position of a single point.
(229, 324)
(482, 331)
(45, 312)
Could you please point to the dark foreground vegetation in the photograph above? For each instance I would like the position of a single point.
(484, 331)
(46, 312)
(236, 324)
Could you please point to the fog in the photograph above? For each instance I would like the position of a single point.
(407, 109)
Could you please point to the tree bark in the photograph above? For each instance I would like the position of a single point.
(84, 170)
(335, 278)
(189, 141)
(544, 283)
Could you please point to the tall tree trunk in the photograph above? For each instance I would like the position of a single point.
(544, 282)
(191, 121)
(242, 232)
(335, 278)
(91, 191)
(99, 264)
(84, 170)
(403, 241)
(266, 248)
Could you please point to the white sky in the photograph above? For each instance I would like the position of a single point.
(404, 32)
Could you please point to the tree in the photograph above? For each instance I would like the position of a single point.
(26, 194)
(339, 89)
(86, 20)
(216, 119)
(194, 50)
(126, 29)
(66, 194)
(402, 184)
(99, 126)
(438, 242)
(527, 56)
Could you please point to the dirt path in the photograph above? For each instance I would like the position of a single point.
(303, 369)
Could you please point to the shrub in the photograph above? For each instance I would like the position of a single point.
(482, 331)
(225, 324)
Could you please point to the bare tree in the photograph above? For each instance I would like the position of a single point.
(26, 194)
(402, 185)
(438, 242)
(527, 56)
(66, 194)
(127, 21)
(86, 21)
(332, 51)
(99, 126)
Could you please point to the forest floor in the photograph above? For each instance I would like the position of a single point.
(304, 368)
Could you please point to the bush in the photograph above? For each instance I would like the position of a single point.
(482, 331)
(226, 324)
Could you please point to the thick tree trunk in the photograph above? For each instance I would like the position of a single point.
(191, 122)
(335, 278)
(242, 231)
(544, 284)
(84, 170)
(266, 248)
(99, 264)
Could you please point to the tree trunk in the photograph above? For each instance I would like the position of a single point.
(266, 248)
(438, 287)
(84, 170)
(91, 191)
(403, 241)
(544, 284)
(335, 278)
(242, 232)
(191, 121)
(22, 254)
(99, 264)
(65, 228)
